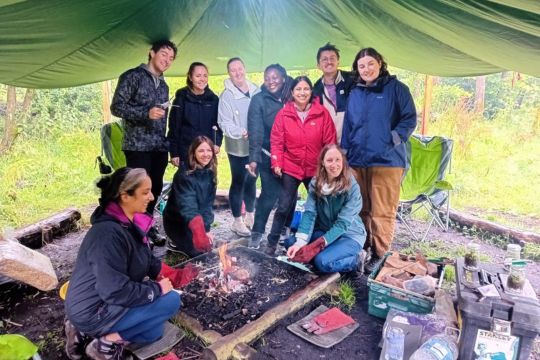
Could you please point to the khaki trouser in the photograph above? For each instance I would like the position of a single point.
(380, 188)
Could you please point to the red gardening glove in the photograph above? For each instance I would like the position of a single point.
(329, 320)
(308, 252)
(179, 277)
(201, 241)
(169, 356)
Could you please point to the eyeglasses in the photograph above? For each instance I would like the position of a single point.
(329, 59)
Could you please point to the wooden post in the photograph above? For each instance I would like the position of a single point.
(10, 123)
(428, 92)
(480, 94)
(106, 101)
(536, 123)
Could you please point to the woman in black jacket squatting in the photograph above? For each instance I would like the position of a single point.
(188, 214)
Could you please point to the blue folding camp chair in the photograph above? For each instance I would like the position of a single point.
(424, 186)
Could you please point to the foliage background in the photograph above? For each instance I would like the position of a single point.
(494, 168)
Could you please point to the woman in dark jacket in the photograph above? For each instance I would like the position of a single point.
(194, 112)
(110, 296)
(380, 118)
(188, 214)
(262, 111)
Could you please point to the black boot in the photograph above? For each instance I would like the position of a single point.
(156, 238)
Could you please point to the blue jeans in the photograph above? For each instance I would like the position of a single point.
(145, 324)
(243, 186)
(340, 256)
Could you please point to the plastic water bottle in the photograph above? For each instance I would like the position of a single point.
(437, 347)
(395, 343)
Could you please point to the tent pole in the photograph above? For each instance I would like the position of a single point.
(106, 101)
(428, 91)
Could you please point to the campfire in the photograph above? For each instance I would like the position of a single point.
(236, 286)
(232, 278)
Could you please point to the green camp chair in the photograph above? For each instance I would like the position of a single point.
(423, 185)
(111, 144)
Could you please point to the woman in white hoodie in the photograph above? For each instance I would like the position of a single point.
(232, 119)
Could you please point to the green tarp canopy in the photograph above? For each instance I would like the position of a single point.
(59, 43)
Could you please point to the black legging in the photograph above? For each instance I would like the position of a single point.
(243, 185)
(286, 204)
(155, 163)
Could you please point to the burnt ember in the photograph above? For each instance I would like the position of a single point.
(257, 284)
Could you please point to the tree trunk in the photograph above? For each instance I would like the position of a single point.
(27, 102)
(480, 94)
(106, 101)
(10, 124)
(426, 111)
(536, 123)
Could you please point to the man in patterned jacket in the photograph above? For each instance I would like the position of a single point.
(141, 99)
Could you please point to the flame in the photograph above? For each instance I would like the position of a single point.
(226, 261)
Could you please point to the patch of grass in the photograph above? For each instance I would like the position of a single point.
(346, 297)
(532, 251)
(42, 176)
(174, 258)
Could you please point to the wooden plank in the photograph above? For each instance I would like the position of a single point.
(36, 235)
(472, 221)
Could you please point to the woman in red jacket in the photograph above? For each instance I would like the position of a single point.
(301, 129)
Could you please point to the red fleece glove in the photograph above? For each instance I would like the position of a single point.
(169, 356)
(329, 320)
(308, 252)
(201, 241)
(179, 277)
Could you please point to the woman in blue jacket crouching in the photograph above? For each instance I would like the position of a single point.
(331, 234)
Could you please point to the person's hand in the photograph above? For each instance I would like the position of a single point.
(175, 161)
(252, 168)
(210, 237)
(291, 252)
(216, 149)
(245, 134)
(308, 252)
(156, 113)
(277, 171)
(166, 285)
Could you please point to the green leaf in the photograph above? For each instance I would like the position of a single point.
(16, 347)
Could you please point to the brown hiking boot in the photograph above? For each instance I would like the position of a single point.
(74, 341)
(99, 349)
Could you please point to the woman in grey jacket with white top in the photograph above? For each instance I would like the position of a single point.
(232, 119)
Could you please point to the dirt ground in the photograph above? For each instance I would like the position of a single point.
(39, 315)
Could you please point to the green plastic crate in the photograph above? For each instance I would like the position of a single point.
(383, 297)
